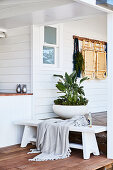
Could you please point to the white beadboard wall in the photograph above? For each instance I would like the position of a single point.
(96, 90)
(15, 59)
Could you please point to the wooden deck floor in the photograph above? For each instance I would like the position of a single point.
(16, 158)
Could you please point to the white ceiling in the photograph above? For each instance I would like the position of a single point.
(15, 13)
(9, 8)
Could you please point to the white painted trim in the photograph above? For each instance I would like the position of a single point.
(93, 4)
(58, 48)
(35, 56)
(35, 45)
(57, 34)
(42, 65)
(32, 72)
(110, 87)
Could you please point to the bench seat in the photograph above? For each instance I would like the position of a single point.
(99, 119)
(89, 142)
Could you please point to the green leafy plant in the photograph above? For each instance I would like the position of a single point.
(73, 92)
(79, 62)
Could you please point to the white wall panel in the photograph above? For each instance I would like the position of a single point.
(95, 28)
(15, 59)
(15, 54)
(13, 108)
(96, 90)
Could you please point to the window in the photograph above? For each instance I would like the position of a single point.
(50, 47)
(48, 55)
(50, 35)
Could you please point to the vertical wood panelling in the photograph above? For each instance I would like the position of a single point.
(15, 59)
(13, 108)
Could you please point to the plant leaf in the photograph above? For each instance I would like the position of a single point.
(60, 76)
(74, 76)
(72, 91)
(83, 79)
(68, 79)
(60, 86)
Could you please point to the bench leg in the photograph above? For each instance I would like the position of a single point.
(89, 145)
(29, 132)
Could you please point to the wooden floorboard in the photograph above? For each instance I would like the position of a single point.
(16, 158)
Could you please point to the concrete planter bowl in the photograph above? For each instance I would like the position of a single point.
(65, 111)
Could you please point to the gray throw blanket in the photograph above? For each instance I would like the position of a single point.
(53, 138)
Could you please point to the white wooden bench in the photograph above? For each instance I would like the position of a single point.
(89, 142)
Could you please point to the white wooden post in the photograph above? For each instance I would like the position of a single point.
(110, 86)
(34, 63)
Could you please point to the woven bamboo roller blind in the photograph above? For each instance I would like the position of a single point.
(94, 60)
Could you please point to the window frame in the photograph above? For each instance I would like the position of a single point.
(55, 46)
